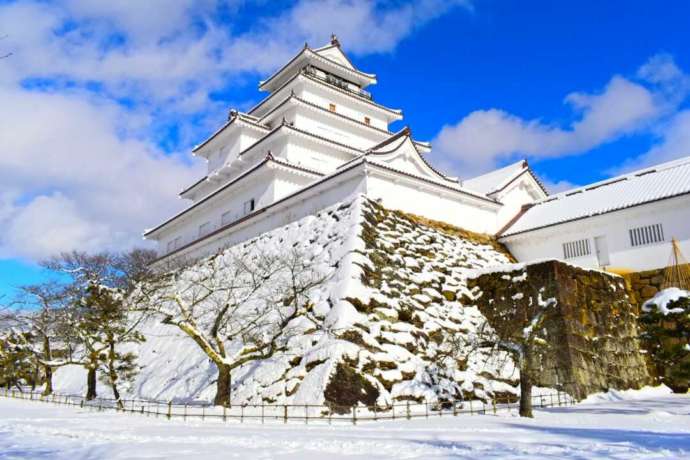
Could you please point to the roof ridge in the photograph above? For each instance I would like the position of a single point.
(632, 175)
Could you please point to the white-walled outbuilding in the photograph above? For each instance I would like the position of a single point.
(625, 223)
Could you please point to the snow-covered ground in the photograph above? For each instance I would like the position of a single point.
(619, 425)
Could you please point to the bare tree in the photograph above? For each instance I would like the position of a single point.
(521, 332)
(238, 307)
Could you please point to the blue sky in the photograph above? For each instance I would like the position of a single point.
(103, 100)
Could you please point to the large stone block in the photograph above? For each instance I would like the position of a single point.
(593, 337)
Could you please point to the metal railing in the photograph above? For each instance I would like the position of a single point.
(303, 413)
(331, 79)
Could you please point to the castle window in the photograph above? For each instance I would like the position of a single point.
(226, 218)
(331, 107)
(248, 206)
(174, 244)
(577, 248)
(204, 228)
(649, 234)
(367, 120)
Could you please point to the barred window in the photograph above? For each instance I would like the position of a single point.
(646, 235)
(577, 248)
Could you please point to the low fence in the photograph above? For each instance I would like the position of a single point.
(305, 413)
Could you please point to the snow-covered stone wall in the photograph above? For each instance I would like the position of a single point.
(385, 320)
(593, 335)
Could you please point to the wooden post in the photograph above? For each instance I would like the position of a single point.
(306, 414)
(262, 413)
(471, 412)
(169, 410)
(455, 408)
(375, 412)
(203, 412)
(409, 415)
(493, 403)
(354, 414)
(285, 418)
(225, 416)
(426, 407)
(184, 416)
(241, 413)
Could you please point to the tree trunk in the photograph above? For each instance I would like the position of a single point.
(112, 374)
(223, 386)
(91, 384)
(48, 371)
(525, 394)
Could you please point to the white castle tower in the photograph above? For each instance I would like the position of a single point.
(317, 139)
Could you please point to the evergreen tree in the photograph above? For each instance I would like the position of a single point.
(666, 337)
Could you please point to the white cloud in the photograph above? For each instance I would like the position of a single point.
(73, 180)
(484, 138)
(92, 84)
(674, 143)
(557, 186)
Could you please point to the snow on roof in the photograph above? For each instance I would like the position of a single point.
(659, 182)
(496, 179)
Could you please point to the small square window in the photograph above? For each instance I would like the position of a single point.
(248, 206)
(367, 120)
(226, 218)
(174, 244)
(331, 107)
(204, 228)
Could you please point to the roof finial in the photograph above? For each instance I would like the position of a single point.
(232, 114)
(334, 40)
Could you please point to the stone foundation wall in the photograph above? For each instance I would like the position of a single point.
(642, 286)
(592, 337)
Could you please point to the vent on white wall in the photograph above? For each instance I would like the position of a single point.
(646, 235)
(577, 248)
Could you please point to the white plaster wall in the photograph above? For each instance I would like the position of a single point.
(673, 214)
(431, 203)
(317, 157)
(336, 128)
(514, 197)
(293, 208)
(321, 96)
(229, 146)
(230, 200)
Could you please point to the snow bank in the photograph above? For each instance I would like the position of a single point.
(647, 392)
(662, 298)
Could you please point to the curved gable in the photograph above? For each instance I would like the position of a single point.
(402, 154)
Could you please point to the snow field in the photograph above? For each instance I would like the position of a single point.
(644, 424)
